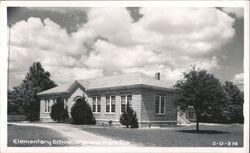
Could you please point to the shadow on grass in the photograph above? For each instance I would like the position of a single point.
(204, 131)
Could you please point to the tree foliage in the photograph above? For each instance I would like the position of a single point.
(24, 97)
(58, 112)
(14, 102)
(81, 113)
(129, 117)
(235, 102)
(202, 91)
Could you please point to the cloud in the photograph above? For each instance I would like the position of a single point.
(112, 43)
(59, 9)
(238, 79)
(50, 44)
(237, 11)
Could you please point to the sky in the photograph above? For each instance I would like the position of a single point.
(80, 43)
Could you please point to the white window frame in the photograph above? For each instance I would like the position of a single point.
(47, 106)
(159, 109)
(96, 104)
(110, 104)
(126, 101)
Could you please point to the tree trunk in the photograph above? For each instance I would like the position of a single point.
(197, 125)
(197, 122)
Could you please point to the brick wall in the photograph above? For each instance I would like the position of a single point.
(148, 106)
(103, 116)
(143, 102)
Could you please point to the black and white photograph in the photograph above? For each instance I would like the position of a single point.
(126, 77)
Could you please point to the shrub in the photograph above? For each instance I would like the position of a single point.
(65, 114)
(58, 113)
(129, 118)
(81, 113)
(134, 121)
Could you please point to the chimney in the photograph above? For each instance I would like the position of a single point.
(157, 76)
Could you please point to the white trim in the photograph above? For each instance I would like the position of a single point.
(107, 120)
(126, 100)
(96, 105)
(47, 105)
(156, 121)
(110, 104)
(107, 113)
(160, 97)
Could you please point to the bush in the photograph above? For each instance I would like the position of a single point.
(58, 113)
(65, 114)
(81, 113)
(129, 118)
(134, 121)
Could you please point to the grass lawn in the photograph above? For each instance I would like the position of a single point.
(16, 134)
(209, 136)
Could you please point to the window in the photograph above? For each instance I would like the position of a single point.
(125, 99)
(160, 105)
(47, 106)
(191, 114)
(110, 104)
(96, 104)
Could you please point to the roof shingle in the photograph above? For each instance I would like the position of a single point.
(128, 79)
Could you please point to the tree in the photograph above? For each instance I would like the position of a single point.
(25, 95)
(81, 113)
(129, 117)
(14, 104)
(235, 102)
(202, 91)
(58, 112)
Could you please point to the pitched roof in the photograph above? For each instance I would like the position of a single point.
(59, 89)
(122, 80)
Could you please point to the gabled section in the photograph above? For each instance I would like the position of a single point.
(67, 88)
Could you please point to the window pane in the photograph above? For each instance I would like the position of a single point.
(113, 100)
(123, 102)
(157, 104)
(98, 100)
(123, 98)
(45, 110)
(162, 104)
(107, 108)
(107, 104)
(94, 104)
(122, 107)
(49, 106)
(98, 104)
(113, 104)
(112, 108)
(129, 99)
(94, 108)
(98, 108)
